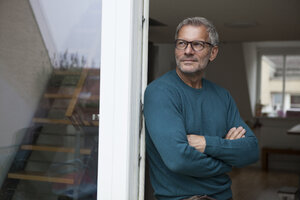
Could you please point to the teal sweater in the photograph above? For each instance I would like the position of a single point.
(172, 110)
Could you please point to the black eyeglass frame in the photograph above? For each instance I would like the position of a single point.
(191, 43)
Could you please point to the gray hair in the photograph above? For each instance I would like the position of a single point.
(201, 21)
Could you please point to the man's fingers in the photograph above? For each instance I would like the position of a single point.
(191, 139)
(235, 133)
(240, 134)
(230, 132)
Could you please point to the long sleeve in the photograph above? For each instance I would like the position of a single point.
(239, 152)
(165, 125)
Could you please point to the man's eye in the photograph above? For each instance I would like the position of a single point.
(181, 43)
(198, 44)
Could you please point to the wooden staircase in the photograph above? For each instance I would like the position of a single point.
(38, 176)
(58, 156)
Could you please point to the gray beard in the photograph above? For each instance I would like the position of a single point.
(192, 73)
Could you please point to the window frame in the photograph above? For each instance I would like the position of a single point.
(284, 51)
(124, 46)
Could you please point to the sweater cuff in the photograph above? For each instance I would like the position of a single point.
(212, 145)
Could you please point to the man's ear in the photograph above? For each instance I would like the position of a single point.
(214, 53)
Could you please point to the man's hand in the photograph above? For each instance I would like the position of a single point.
(197, 141)
(235, 133)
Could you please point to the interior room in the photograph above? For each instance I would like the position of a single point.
(253, 35)
(50, 58)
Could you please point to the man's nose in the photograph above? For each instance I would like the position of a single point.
(189, 49)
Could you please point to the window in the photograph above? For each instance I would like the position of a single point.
(279, 88)
(295, 101)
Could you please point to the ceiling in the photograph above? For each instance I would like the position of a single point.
(235, 20)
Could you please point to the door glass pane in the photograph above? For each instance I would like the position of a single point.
(292, 86)
(49, 99)
(271, 84)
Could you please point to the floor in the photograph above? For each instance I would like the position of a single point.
(251, 183)
(255, 184)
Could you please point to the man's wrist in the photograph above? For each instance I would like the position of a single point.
(197, 141)
(202, 145)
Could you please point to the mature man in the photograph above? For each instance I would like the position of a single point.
(195, 134)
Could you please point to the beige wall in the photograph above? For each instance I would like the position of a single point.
(24, 71)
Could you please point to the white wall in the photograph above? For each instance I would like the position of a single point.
(250, 56)
(24, 71)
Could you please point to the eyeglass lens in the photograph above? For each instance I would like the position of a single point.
(196, 45)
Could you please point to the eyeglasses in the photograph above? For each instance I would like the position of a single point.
(196, 45)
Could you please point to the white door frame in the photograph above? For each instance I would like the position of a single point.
(124, 42)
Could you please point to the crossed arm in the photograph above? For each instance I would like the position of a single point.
(238, 148)
(194, 155)
(199, 142)
(167, 138)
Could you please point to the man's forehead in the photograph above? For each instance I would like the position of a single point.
(193, 31)
(200, 26)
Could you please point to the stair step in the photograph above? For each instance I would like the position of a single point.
(68, 134)
(54, 149)
(65, 163)
(66, 72)
(39, 176)
(51, 121)
(69, 96)
(58, 96)
(63, 121)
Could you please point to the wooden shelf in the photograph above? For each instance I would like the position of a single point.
(54, 149)
(38, 176)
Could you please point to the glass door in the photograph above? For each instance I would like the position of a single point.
(49, 99)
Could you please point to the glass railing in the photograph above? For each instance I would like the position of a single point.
(49, 102)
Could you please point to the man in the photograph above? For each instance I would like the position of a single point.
(194, 133)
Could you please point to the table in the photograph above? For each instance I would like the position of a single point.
(295, 130)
